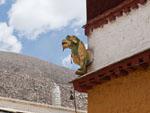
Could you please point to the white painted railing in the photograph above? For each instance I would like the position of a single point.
(31, 107)
(12, 110)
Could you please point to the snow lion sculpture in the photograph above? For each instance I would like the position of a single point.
(80, 55)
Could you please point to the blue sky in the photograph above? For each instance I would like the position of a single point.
(37, 27)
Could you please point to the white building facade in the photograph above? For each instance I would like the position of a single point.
(129, 34)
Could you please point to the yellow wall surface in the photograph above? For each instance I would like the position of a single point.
(130, 94)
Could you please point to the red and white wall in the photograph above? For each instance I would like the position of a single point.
(122, 38)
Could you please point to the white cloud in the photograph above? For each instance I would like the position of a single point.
(33, 17)
(8, 42)
(67, 61)
(2, 2)
(86, 46)
(76, 31)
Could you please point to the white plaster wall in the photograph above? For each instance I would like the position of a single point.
(30, 107)
(128, 35)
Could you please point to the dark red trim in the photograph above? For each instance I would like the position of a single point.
(121, 68)
(98, 7)
(111, 14)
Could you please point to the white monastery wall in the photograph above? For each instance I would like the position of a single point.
(128, 35)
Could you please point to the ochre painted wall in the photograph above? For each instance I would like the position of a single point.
(130, 94)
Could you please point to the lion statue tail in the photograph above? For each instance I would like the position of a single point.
(90, 57)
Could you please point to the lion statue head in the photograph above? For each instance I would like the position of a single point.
(70, 42)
